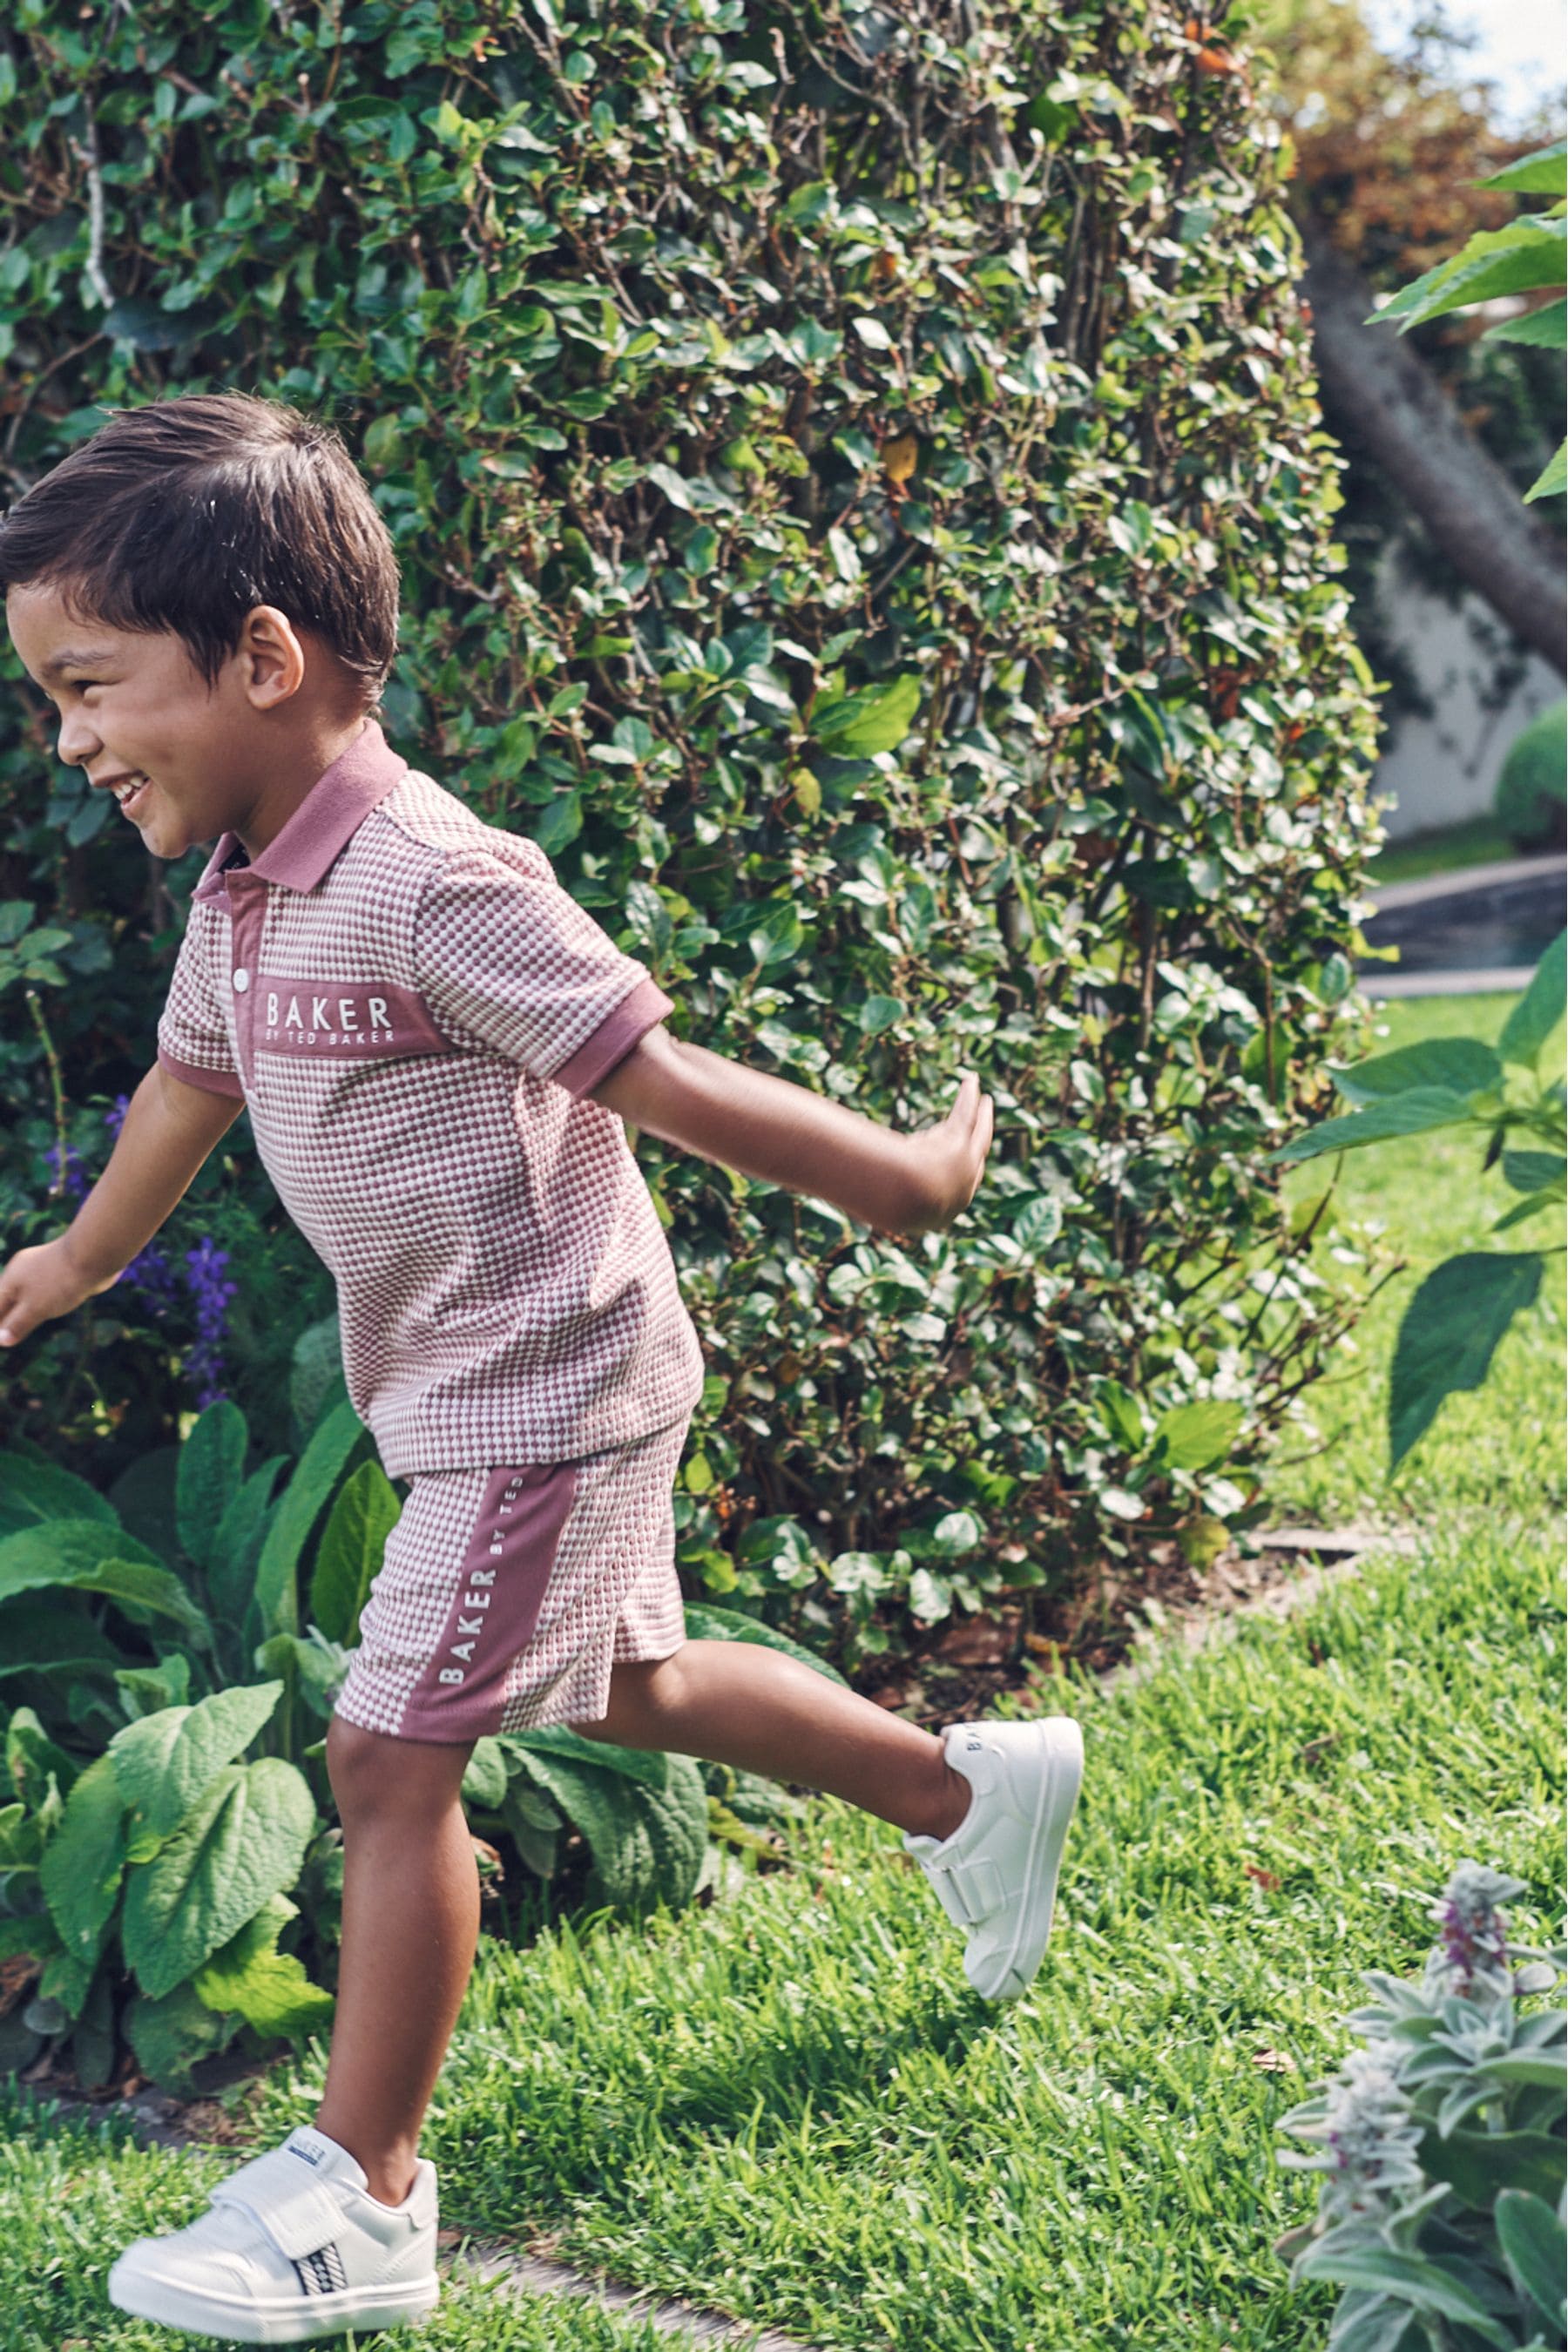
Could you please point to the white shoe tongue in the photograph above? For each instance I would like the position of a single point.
(325, 2157)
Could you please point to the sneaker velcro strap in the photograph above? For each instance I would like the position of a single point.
(969, 1891)
(298, 2213)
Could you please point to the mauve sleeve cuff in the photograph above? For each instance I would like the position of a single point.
(212, 1082)
(612, 1040)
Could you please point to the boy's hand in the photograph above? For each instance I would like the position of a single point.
(38, 1283)
(950, 1158)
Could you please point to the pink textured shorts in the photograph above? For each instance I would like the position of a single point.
(506, 1596)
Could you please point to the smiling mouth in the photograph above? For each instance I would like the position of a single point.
(131, 792)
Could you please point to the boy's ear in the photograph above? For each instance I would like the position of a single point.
(271, 656)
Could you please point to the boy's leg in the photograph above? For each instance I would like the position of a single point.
(739, 1703)
(411, 1921)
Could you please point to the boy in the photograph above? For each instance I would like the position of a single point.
(437, 1047)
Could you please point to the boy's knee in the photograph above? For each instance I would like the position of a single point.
(371, 1771)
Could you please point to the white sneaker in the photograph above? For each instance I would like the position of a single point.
(996, 1874)
(293, 2247)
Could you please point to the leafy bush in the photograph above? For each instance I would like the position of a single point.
(863, 511)
(1442, 2207)
(1532, 800)
(1455, 1317)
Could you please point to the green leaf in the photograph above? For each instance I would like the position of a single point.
(649, 1766)
(44, 1636)
(484, 1780)
(32, 1757)
(237, 1547)
(166, 1760)
(1461, 1066)
(91, 1556)
(1450, 1334)
(85, 1860)
(1546, 329)
(245, 1841)
(1535, 2248)
(878, 718)
(367, 1510)
(1412, 1113)
(211, 1467)
(1539, 1010)
(318, 1472)
(707, 1624)
(1551, 478)
(1533, 1171)
(1513, 260)
(1544, 173)
(1419, 2279)
(1196, 1435)
(1522, 1211)
(647, 1844)
(35, 1491)
(173, 2034)
(1478, 2164)
(269, 1989)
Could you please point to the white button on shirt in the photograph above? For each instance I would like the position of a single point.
(242, 980)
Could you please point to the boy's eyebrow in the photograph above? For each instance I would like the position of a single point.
(73, 660)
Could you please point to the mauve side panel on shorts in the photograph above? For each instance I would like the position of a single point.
(506, 1569)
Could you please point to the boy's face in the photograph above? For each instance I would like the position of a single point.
(134, 705)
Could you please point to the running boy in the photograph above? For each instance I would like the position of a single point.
(437, 1047)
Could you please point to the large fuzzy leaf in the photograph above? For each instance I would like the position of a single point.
(367, 1510)
(269, 1988)
(84, 1862)
(244, 1842)
(647, 1844)
(277, 1603)
(89, 1555)
(32, 1491)
(164, 1762)
(209, 1475)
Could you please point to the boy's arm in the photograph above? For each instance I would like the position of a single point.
(769, 1128)
(167, 1132)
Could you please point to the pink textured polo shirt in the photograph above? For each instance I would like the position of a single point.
(413, 1008)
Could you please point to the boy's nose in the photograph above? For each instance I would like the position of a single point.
(76, 743)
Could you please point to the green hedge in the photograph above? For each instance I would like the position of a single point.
(864, 510)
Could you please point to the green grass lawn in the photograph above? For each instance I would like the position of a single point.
(1479, 841)
(790, 2105)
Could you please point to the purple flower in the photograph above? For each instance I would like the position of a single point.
(75, 1176)
(115, 1120)
(1474, 1957)
(212, 1294)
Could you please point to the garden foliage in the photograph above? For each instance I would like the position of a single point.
(1527, 257)
(164, 1817)
(1531, 797)
(1460, 1310)
(1441, 2146)
(864, 510)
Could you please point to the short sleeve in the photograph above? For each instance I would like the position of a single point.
(193, 1042)
(506, 960)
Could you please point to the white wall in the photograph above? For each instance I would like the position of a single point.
(1444, 769)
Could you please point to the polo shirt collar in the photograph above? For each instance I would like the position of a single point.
(332, 810)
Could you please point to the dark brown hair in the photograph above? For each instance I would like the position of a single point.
(186, 514)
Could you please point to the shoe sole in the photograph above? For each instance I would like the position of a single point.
(1062, 1742)
(246, 2321)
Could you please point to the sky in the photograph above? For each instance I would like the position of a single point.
(1520, 47)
